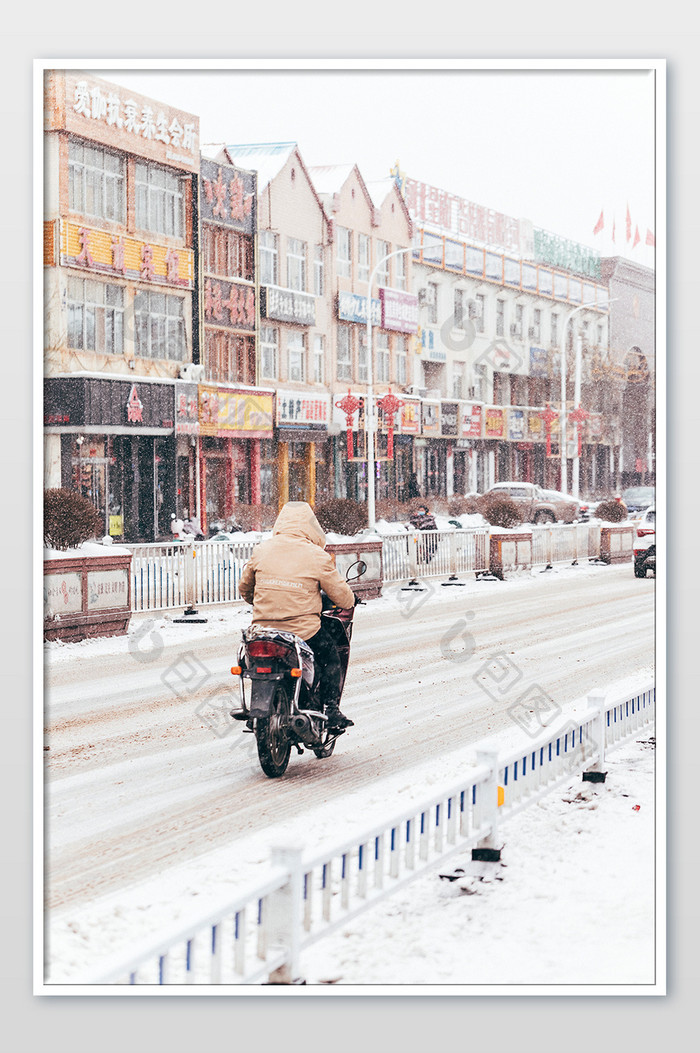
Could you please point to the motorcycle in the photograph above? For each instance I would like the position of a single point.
(280, 687)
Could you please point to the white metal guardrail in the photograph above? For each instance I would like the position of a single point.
(434, 553)
(260, 936)
(179, 573)
(565, 543)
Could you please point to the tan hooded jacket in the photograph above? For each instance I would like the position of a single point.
(285, 574)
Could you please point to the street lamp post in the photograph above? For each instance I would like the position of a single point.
(369, 415)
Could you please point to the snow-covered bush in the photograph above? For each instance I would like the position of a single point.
(69, 519)
(611, 511)
(460, 506)
(500, 510)
(342, 516)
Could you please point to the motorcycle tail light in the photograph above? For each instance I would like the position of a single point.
(264, 669)
(266, 649)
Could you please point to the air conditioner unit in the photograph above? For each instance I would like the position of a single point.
(418, 391)
(192, 372)
(531, 332)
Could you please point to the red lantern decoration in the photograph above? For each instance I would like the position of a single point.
(349, 405)
(578, 416)
(549, 416)
(390, 404)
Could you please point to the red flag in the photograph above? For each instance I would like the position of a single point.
(599, 225)
(651, 240)
(629, 224)
(637, 238)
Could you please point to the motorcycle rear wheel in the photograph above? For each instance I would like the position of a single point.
(272, 736)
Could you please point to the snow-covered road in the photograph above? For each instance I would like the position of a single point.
(142, 773)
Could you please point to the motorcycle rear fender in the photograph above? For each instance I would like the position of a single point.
(262, 692)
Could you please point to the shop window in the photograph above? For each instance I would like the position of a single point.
(228, 358)
(95, 316)
(319, 359)
(269, 342)
(227, 253)
(383, 250)
(363, 257)
(344, 364)
(362, 358)
(296, 264)
(401, 361)
(457, 380)
(96, 185)
(344, 252)
(268, 253)
(400, 271)
(160, 326)
(383, 358)
(159, 200)
(296, 351)
(318, 270)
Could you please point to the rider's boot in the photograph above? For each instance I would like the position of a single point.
(337, 721)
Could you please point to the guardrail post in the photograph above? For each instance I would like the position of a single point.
(487, 849)
(285, 914)
(596, 700)
(413, 554)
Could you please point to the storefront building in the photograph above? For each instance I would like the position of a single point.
(120, 177)
(492, 317)
(114, 442)
(371, 229)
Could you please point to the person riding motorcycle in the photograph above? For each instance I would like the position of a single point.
(283, 581)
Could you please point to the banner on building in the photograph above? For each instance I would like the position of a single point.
(494, 422)
(232, 414)
(470, 420)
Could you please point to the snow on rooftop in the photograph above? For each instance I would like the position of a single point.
(328, 179)
(379, 190)
(267, 159)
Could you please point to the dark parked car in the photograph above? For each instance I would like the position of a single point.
(645, 544)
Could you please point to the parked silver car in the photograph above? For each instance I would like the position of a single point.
(538, 505)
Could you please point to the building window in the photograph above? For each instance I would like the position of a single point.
(319, 359)
(229, 359)
(599, 335)
(383, 250)
(362, 358)
(95, 316)
(460, 308)
(227, 253)
(500, 317)
(537, 325)
(401, 361)
(432, 303)
(318, 270)
(383, 358)
(555, 330)
(457, 380)
(478, 391)
(95, 182)
(480, 313)
(296, 264)
(344, 252)
(268, 352)
(364, 257)
(267, 248)
(400, 271)
(160, 326)
(517, 327)
(159, 200)
(344, 366)
(296, 351)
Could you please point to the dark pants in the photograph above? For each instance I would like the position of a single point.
(328, 671)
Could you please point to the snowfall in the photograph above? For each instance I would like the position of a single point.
(574, 901)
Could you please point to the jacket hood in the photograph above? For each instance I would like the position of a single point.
(297, 519)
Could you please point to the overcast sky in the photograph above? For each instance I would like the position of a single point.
(556, 146)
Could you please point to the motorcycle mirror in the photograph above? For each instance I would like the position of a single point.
(361, 568)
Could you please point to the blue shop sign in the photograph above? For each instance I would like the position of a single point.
(538, 362)
(353, 308)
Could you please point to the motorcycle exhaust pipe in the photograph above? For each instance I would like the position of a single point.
(303, 728)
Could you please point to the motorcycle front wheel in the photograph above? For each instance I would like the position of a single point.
(272, 736)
